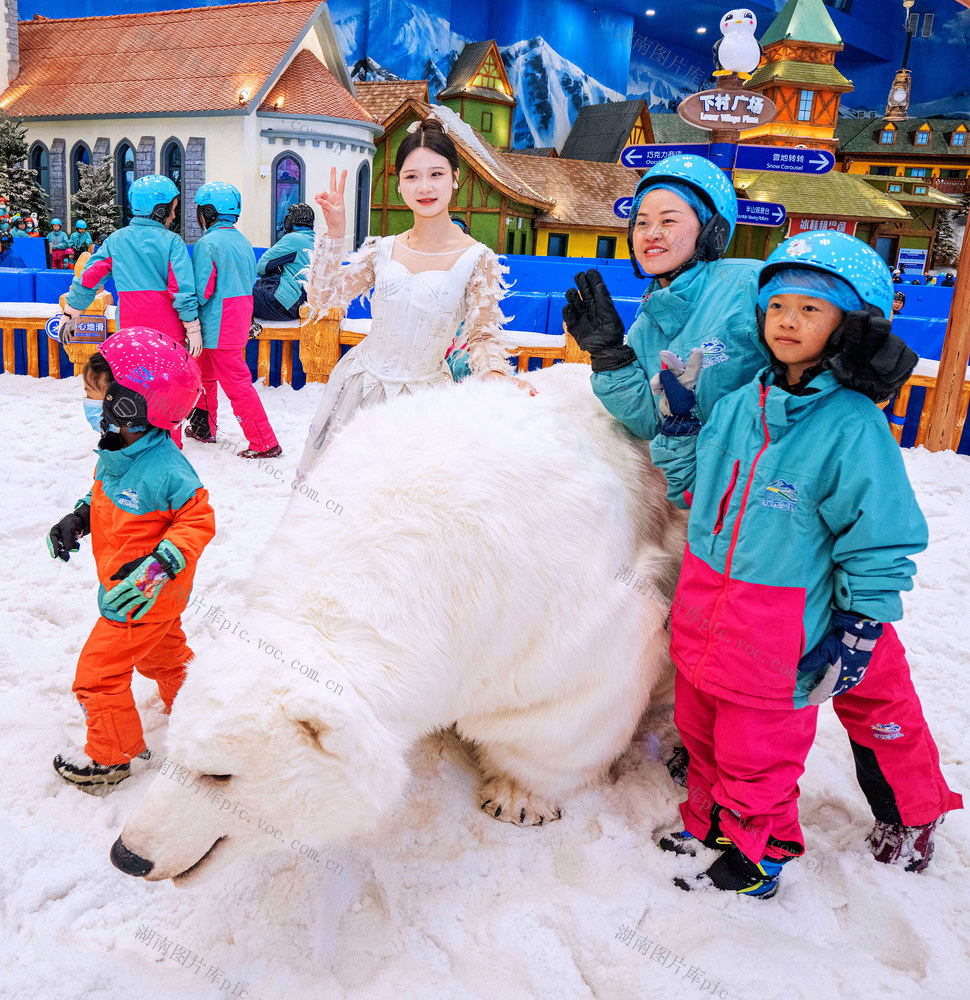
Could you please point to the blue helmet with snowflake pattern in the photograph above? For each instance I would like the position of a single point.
(710, 193)
(222, 196)
(841, 256)
(148, 193)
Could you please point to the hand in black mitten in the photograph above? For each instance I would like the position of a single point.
(591, 318)
(62, 539)
(870, 358)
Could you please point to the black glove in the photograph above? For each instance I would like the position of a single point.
(62, 539)
(870, 358)
(592, 320)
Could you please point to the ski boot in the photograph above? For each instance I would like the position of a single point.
(198, 426)
(677, 766)
(81, 770)
(910, 847)
(685, 843)
(273, 452)
(734, 872)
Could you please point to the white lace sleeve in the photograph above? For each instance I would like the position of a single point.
(332, 284)
(481, 332)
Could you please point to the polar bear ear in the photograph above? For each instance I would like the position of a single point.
(325, 726)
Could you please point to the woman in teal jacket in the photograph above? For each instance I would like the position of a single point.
(683, 215)
(801, 527)
(278, 294)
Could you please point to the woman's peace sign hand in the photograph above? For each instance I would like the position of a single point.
(332, 205)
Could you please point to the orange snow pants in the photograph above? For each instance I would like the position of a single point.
(157, 650)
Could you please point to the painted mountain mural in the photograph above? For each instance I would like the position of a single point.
(550, 91)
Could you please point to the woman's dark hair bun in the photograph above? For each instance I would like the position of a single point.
(430, 134)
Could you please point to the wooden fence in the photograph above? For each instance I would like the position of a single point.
(322, 340)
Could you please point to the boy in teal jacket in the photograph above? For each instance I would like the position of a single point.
(801, 527)
(151, 269)
(279, 293)
(225, 270)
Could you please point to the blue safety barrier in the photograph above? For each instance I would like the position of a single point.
(17, 285)
(32, 251)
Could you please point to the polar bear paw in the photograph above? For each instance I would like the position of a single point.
(507, 801)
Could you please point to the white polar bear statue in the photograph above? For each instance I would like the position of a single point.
(503, 562)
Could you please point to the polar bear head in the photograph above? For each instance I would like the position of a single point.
(258, 760)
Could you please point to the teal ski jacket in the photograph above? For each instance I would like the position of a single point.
(287, 258)
(799, 504)
(711, 306)
(225, 272)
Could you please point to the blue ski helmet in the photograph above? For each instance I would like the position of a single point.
(844, 256)
(147, 192)
(80, 224)
(56, 222)
(223, 197)
(712, 186)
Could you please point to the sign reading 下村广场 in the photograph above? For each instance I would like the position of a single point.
(734, 110)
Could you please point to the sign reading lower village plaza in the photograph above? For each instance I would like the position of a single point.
(726, 109)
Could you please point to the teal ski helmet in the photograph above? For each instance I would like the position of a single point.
(223, 197)
(843, 256)
(80, 224)
(56, 222)
(712, 187)
(147, 193)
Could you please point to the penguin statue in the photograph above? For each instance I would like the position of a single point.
(738, 51)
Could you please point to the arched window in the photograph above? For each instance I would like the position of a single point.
(124, 176)
(362, 213)
(172, 159)
(288, 179)
(79, 154)
(39, 162)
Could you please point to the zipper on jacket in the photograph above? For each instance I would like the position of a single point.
(734, 540)
(726, 499)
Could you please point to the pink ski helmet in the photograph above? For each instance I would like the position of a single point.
(154, 369)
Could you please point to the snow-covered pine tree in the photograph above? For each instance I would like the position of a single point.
(95, 200)
(18, 184)
(945, 248)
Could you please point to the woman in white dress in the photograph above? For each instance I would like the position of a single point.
(428, 283)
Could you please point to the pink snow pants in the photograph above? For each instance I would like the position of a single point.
(226, 365)
(748, 761)
(897, 762)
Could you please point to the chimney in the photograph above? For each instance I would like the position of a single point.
(9, 44)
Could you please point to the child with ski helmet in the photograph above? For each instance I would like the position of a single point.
(798, 548)
(150, 266)
(225, 271)
(683, 215)
(7, 256)
(279, 293)
(80, 239)
(59, 243)
(149, 519)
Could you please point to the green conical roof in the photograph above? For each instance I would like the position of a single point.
(802, 21)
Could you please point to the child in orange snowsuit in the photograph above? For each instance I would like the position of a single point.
(149, 519)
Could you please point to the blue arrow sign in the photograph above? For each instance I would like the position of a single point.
(793, 161)
(760, 213)
(640, 157)
(622, 206)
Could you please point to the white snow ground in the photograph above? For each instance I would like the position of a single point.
(443, 902)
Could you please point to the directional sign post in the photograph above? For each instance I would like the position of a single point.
(760, 213)
(622, 206)
(641, 157)
(785, 159)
